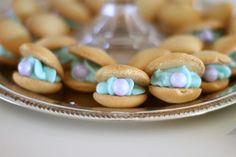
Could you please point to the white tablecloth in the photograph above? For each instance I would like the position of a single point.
(26, 133)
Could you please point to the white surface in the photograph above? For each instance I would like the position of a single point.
(25, 133)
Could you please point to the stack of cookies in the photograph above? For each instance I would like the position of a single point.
(197, 59)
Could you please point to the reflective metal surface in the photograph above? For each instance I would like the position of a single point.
(77, 105)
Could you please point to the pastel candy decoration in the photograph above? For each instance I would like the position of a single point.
(80, 71)
(120, 87)
(211, 74)
(25, 67)
(206, 35)
(178, 80)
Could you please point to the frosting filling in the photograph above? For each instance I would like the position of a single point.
(119, 87)
(216, 72)
(232, 55)
(35, 69)
(71, 23)
(179, 77)
(63, 55)
(209, 35)
(84, 70)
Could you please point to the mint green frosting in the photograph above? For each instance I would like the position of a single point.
(161, 78)
(232, 55)
(91, 66)
(5, 53)
(217, 33)
(224, 71)
(43, 72)
(63, 55)
(72, 24)
(105, 87)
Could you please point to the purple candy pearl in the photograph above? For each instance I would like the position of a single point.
(206, 35)
(178, 80)
(80, 71)
(120, 87)
(25, 67)
(210, 74)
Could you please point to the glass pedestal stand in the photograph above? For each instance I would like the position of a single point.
(120, 30)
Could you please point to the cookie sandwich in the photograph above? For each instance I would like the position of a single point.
(74, 13)
(81, 75)
(121, 86)
(217, 73)
(207, 31)
(176, 77)
(182, 43)
(39, 70)
(227, 45)
(59, 45)
(46, 24)
(12, 35)
(143, 58)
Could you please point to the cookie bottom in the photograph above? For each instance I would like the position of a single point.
(211, 87)
(36, 86)
(175, 95)
(120, 102)
(77, 85)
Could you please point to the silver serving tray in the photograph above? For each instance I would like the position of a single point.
(72, 104)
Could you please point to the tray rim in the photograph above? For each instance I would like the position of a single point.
(17, 99)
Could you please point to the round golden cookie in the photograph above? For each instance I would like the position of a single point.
(213, 57)
(153, 10)
(55, 42)
(120, 102)
(211, 87)
(43, 54)
(123, 71)
(174, 95)
(182, 43)
(211, 24)
(13, 35)
(92, 54)
(94, 6)
(46, 24)
(73, 10)
(225, 44)
(48, 58)
(169, 16)
(214, 12)
(143, 58)
(25, 8)
(175, 60)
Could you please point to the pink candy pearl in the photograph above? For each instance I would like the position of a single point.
(178, 80)
(210, 74)
(120, 87)
(80, 71)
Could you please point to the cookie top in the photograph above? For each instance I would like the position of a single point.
(93, 54)
(46, 24)
(25, 8)
(143, 58)
(43, 54)
(225, 44)
(72, 9)
(54, 42)
(13, 34)
(182, 43)
(212, 24)
(123, 71)
(213, 57)
(175, 60)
